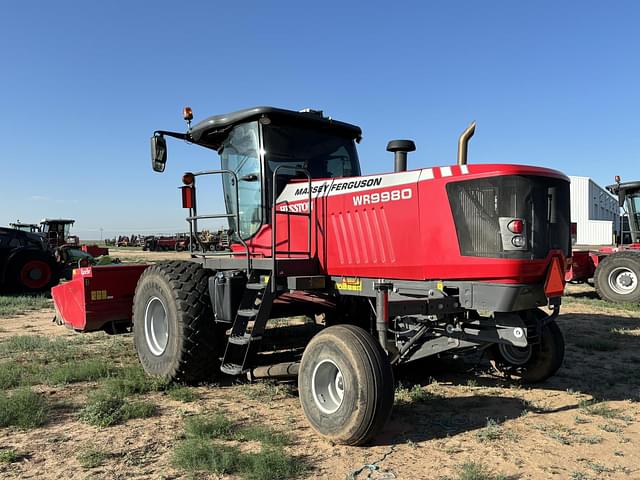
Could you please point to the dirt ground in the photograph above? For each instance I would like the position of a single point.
(454, 414)
(137, 255)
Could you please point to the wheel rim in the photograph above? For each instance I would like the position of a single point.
(623, 280)
(35, 274)
(515, 355)
(156, 326)
(327, 386)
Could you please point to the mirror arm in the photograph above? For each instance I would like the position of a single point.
(181, 136)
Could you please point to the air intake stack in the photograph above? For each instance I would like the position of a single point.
(400, 148)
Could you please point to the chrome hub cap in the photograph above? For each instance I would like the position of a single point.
(156, 326)
(623, 281)
(327, 386)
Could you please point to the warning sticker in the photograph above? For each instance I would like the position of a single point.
(98, 295)
(351, 284)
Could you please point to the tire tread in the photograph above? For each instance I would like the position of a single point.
(189, 286)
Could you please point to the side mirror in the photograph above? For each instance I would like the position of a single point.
(158, 153)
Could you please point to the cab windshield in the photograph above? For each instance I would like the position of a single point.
(322, 153)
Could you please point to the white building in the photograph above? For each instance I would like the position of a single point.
(595, 214)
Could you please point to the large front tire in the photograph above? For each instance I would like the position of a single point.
(174, 331)
(346, 385)
(617, 278)
(534, 363)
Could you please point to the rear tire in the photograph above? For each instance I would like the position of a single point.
(33, 272)
(346, 385)
(534, 363)
(616, 278)
(174, 331)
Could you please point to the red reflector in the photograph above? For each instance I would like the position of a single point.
(516, 226)
(187, 197)
(554, 285)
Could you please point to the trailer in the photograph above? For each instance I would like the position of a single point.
(392, 267)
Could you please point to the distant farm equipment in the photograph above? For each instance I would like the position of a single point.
(27, 262)
(25, 227)
(57, 232)
(125, 241)
(176, 242)
(615, 269)
(33, 257)
(207, 240)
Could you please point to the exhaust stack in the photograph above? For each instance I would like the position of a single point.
(463, 143)
(400, 148)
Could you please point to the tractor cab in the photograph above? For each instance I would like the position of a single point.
(25, 227)
(56, 231)
(261, 150)
(629, 199)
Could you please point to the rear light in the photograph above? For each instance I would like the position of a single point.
(518, 241)
(516, 226)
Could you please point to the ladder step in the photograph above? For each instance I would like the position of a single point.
(243, 339)
(248, 312)
(231, 369)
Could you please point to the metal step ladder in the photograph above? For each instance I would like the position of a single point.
(255, 307)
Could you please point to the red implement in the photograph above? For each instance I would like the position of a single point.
(97, 298)
(95, 250)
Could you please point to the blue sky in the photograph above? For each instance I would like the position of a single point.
(84, 84)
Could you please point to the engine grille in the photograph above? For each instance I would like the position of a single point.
(542, 202)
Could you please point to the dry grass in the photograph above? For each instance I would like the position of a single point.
(455, 423)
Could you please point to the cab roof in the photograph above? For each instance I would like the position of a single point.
(57, 220)
(212, 131)
(624, 187)
(21, 224)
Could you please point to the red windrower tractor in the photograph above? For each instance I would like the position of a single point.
(394, 267)
(615, 270)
